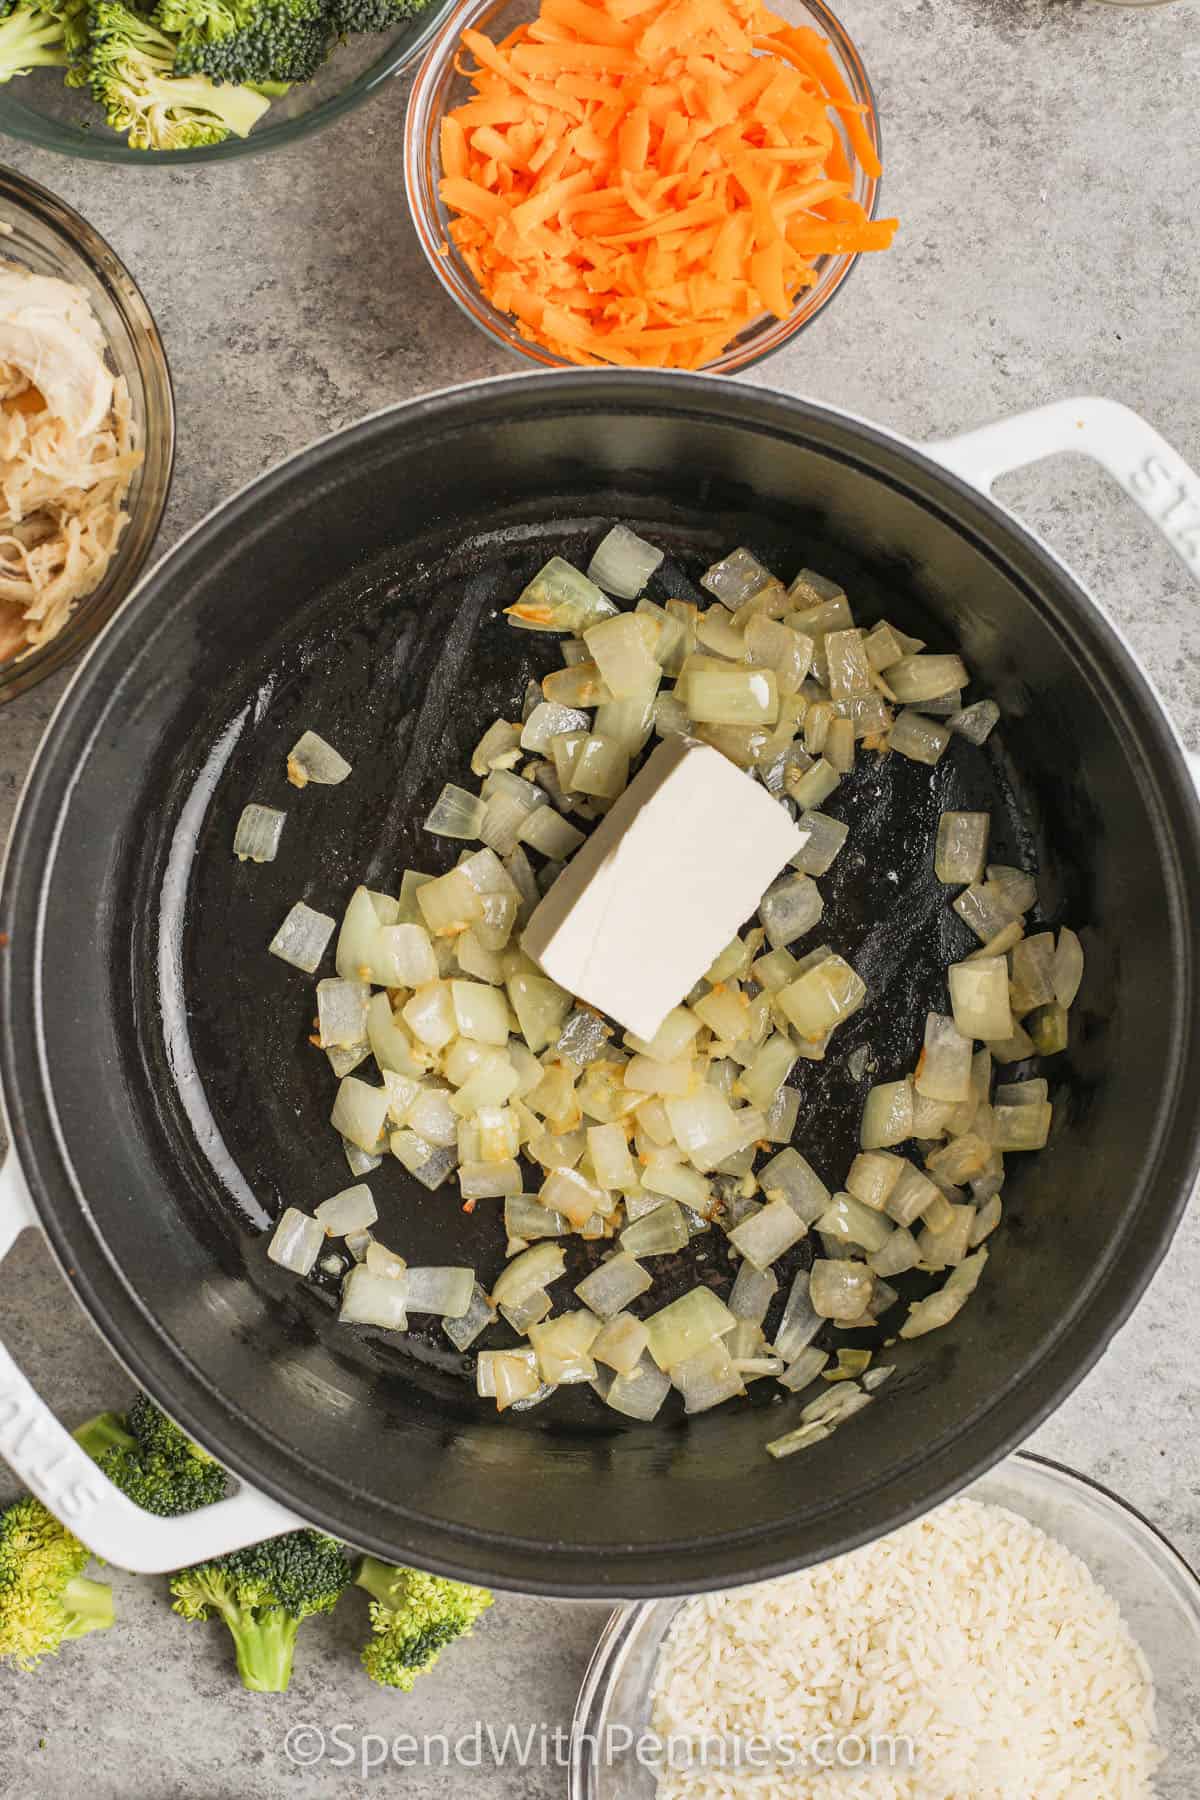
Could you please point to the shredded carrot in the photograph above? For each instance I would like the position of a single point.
(639, 181)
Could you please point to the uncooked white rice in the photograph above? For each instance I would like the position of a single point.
(973, 1635)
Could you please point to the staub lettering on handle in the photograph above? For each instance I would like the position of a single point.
(61, 1479)
(1171, 496)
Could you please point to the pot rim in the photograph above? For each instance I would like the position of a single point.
(129, 1327)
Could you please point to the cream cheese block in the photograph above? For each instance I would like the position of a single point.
(664, 882)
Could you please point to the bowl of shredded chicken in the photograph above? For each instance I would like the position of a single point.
(82, 377)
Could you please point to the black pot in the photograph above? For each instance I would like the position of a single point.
(162, 1101)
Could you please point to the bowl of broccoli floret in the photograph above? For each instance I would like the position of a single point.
(196, 80)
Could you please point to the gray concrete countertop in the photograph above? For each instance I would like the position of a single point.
(1044, 157)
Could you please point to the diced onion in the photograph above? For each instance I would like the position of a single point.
(456, 813)
(1021, 1127)
(848, 670)
(560, 598)
(610, 1156)
(752, 1293)
(297, 1241)
(790, 1177)
(529, 1311)
(369, 1299)
(1049, 1028)
(535, 1268)
(977, 722)
(621, 1344)
(737, 697)
(381, 1261)
(489, 1180)
(800, 1439)
(883, 646)
(302, 938)
(823, 839)
(873, 1177)
(961, 851)
(433, 1290)
(429, 1164)
(351, 1210)
(912, 1196)
(686, 1325)
(657, 1233)
(623, 563)
(804, 1370)
(342, 1013)
(768, 1234)
(944, 1071)
(563, 1347)
(640, 1393)
(823, 997)
(897, 1255)
(602, 767)
(987, 909)
(550, 834)
(614, 1283)
(917, 678)
(258, 832)
(979, 997)
(800, 1322)
(918, 737)
(509, 1376)
(707, 1377)
(430, 1014)
(840, 1289)
(850, 1221)
(466, 1327)
(790, 908)
(1033, 965)
(359, 1112)
(312, 759)
(948, 1302)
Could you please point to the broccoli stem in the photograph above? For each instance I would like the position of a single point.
(89, 1605)
(382, 1581)
(30, 39)
(105, 1432)
(266, 1646)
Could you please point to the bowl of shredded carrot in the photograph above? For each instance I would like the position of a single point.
(651, 183)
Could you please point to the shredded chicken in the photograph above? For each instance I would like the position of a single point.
(67, 455)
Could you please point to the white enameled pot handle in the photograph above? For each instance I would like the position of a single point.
(52, 1465)
(1154, 475)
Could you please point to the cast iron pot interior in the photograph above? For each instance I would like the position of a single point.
(165, 1102)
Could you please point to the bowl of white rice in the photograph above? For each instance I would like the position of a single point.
(1034, 1639)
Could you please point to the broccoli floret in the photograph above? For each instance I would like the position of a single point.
(414, 1617)
(31, 37)
(45, 1599)
(258, 42)
(152, 1461)
(373, 15)
(131, 73)
(263, 1594)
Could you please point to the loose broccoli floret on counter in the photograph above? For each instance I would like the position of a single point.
(31, 37)
(256, 42)
(131, 73)
(414, 1617)
(152, 1461)
(263, 1594)
(45, 1598)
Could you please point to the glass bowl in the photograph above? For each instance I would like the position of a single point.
(439, 88)
(49, 237)
(1159, 1597)
(42, 110)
